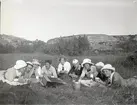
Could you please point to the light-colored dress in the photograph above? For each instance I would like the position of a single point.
(51, 72)
(66, 67)
(88, 81)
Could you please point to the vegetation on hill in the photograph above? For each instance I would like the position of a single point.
(72, 45)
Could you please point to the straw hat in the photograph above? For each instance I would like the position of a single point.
(20, 64)
(108, 67)
(87, 61)
(75, 61)
(100, 64)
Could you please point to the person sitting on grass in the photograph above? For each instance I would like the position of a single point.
(14, 75)
(29, 70)
(49, 70)
(50, 77)
(76, 69)
(115, 80)
(37, 69)
(88, 73)
(100, 77)
(63, 67)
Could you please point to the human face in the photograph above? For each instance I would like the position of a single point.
(21, 71)
(87, 66)
(35, 66)
(29, 67)
(76, 65)
(47, 65)
(107, 72)
(98, 68)
(62, 61)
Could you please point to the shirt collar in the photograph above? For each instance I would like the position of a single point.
(111, 77)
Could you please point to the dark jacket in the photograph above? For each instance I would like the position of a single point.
(76, 71)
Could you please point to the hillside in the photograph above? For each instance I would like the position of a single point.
(13, 41)
(99, 41)
(71, 45)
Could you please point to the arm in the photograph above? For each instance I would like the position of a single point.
(71, 71)
(59, 68)
(10, 75)
(82, 75)
(67, 67)
(31, 72)
(54, 73)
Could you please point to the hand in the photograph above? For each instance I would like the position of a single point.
(97, 79)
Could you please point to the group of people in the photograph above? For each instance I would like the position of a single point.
(86, 73)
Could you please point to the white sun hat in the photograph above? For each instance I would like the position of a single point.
(108, 67)
(29, 63)
(100, 64)
(87, 61)
(75, 61)
(20, 64)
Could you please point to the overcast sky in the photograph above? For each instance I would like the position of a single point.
(46, 19)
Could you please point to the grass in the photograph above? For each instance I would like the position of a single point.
(66, 95)
(8, 60)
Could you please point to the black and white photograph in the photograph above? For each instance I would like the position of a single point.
(68, 52)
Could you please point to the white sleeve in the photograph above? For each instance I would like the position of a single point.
(59, 68)
(82, 74)
(67, 67)
(40, 71)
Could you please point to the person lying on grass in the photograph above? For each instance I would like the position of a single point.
(49, 70)
(115, 80)
(76, 69)
(100, 77)
(49, 74)
(29, 70)
(88, 73)
(37, 69)
(63, 67)
(15, 74)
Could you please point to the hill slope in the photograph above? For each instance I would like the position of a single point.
(99, 41)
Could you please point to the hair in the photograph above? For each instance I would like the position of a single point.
(29, 64)
(48, 61)
(62, 56)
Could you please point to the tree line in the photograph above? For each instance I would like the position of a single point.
(74, 46)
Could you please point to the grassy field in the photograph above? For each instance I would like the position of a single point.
(65, 94)
(8, 60)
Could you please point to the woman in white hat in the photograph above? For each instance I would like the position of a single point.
(14, 73)
(76, 69)
(115, 80)
(88, 72)
(29, 70)
(37, 69)
(100, 77)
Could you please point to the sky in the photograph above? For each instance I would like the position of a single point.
(46, 19)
